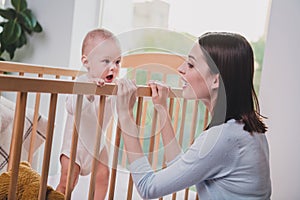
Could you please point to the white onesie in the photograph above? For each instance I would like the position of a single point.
(87, 130)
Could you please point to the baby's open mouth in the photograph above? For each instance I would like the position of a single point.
(109, 77)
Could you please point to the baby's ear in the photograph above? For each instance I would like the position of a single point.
(84, 61)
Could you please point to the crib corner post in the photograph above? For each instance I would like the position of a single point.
(16, 143)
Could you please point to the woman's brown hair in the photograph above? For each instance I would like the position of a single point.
(231, 55)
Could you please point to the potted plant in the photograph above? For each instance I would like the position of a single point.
(18, 22)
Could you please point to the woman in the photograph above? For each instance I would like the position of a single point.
(230, 159)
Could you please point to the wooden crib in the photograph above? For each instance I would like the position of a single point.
(54, 82)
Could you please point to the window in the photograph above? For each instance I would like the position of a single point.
(173, 26)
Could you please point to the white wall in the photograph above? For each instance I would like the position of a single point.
(65, 23)
(117, 15)
(52, 46)
(86, 18)
(280, 97)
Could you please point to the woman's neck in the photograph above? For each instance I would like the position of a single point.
(211, 102)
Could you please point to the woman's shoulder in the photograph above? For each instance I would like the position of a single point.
(225, 134)
(218, 142)
(231, 126)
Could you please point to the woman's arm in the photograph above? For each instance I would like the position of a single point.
(160, 93)
(202, 161)
(126, 97)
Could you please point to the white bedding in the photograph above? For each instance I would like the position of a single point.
(7, 112)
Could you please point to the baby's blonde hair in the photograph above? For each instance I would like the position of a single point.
(93, 38)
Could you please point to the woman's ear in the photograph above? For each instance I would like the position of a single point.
(216, 81)
(84, 61)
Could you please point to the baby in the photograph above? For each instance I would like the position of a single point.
(101, 56)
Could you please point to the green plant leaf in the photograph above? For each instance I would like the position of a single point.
(19, 5)
(30, 16)
(29, 31)
(9, 13)
(2, 24)
(38, 28)
(11, 32)
(25, 21)
(11, 50)
(21, 41)
(1, 51)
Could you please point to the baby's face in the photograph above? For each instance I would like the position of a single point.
(104, 61)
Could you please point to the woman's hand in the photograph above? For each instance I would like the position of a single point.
(160, 93)
(126, 97)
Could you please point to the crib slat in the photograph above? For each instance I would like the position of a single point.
(156, 148)
(34, 125)
(152, 136)
(48, 146)
(115, 164)
(17, 107)
(70, 177)
(16, 143)
(97, 147)
(176, 115)
(181, 131)
(138, 122)
(143, 122)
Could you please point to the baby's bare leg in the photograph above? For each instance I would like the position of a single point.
(102, 176)
(64, 160)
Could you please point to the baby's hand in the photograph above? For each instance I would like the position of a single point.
(99, 82)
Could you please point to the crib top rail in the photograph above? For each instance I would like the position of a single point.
(6, 66)
(32, 84)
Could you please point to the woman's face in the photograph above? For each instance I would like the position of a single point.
(198, 80)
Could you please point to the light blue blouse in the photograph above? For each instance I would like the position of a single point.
(224, 162)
